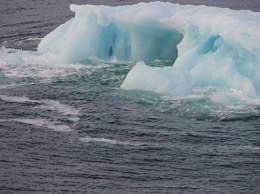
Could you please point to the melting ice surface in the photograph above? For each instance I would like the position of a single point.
(208, 46)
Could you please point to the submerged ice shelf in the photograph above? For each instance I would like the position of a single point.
(208, 46)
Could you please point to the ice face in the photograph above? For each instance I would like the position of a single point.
(209, 46)
(128, 33)
(157, 79)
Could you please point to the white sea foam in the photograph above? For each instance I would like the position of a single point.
(46, 104)
(9, 50)
(12, 86)
(233, 98)
(30, 39)
(253, 148)
(56, 126)
(74, 119)
(108, 141)
(56, 105)
(34, 38)
(21, 99)
(43, 67)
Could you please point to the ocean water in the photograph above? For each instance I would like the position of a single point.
(70, 128)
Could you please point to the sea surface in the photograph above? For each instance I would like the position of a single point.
(69, 128)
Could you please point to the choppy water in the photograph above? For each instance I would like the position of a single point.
(71, 129)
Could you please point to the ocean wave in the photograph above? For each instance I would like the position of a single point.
(56, 126)
(46, 104)
(88, 139)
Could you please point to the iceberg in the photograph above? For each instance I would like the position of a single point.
(208, 46)
(158, 79)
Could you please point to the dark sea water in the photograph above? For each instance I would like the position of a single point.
(71, 129)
